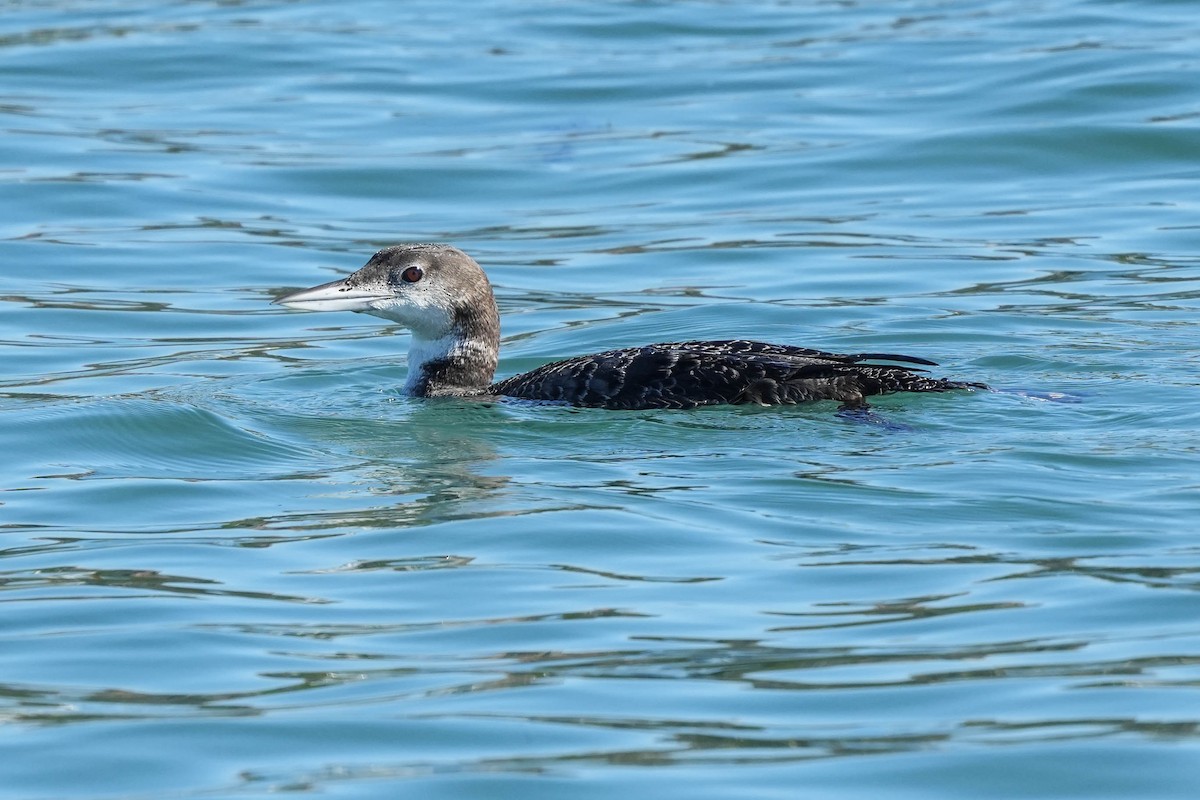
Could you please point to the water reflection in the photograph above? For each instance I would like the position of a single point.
(47, 583)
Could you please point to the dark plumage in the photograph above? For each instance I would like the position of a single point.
(690, 374)
(444, 298)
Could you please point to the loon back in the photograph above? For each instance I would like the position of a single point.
(440, 294)
(690, 374)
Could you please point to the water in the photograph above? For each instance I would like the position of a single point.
(238, 562)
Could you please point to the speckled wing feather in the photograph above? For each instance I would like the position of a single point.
(690, 374)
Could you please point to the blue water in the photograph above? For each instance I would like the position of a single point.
(237, 561)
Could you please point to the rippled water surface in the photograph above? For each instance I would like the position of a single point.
(236, 560)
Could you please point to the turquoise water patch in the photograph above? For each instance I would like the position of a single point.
(236, 560)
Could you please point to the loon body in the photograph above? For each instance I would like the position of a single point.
(440, 294)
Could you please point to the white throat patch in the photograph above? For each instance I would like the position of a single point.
(423, 351)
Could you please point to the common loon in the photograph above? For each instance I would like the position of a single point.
(440, 294)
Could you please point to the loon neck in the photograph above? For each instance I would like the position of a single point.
(455, 365)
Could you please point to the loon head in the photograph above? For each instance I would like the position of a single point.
(440, 294)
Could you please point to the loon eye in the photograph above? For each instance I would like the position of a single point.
(412, 274)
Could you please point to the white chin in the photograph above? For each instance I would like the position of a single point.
(423, 321)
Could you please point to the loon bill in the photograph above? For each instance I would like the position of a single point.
(440, 294)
